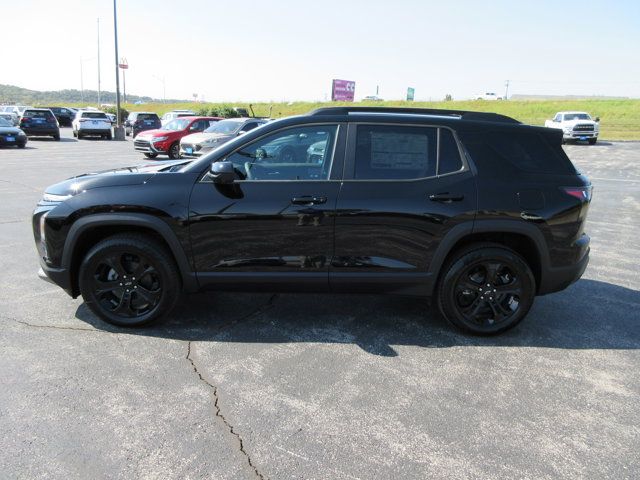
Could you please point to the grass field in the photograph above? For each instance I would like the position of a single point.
(619, 119)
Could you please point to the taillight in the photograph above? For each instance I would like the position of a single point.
(581, 193)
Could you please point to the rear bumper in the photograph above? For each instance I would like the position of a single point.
(556, 279)
(45, 132)
(94, 131)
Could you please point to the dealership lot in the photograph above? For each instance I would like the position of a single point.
(298, 386)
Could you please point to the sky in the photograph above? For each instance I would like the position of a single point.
(289, 50)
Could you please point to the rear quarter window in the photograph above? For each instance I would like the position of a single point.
(510, 152)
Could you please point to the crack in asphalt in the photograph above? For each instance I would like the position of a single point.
(54, 327)
(214, 389)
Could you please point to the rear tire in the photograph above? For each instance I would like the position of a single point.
(79, 135)
(109, 136)
(485, 289)
(129, 280)
(150, 155)
(56, 137)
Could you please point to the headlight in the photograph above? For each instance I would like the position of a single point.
(159, 139)
(43, 240)
(210, 141)
(51, 198)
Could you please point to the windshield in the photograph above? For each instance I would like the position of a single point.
(4, 123)
(177, 124)
(224, 127)
(576, 116)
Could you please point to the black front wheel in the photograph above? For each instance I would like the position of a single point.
(486, 290)
(150, 155)
(174, 151)
(129, 280)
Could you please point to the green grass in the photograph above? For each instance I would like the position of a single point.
(619, 119)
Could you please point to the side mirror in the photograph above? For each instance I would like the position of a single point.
(597, 119)
(241, 132)
(223, 172)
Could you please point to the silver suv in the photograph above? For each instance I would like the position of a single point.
(220, 132)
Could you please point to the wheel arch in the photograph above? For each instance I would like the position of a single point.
(89, 230)
(524, 238)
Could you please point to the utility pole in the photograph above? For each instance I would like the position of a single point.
(506, 91)
(99, 100)
(119, 130)
(124, 65)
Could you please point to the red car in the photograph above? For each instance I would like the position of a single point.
(166, 140)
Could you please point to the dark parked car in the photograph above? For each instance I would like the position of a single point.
(11, 136)
(40, 122)
(140, 121)
(474, 210)
(63, 115)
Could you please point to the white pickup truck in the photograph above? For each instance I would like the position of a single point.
(576, 126)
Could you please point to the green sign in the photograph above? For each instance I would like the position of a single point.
(411, 92)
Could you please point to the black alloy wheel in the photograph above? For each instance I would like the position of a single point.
(129, 280)
(486, 290)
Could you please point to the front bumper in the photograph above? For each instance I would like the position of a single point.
(17, 141)
(190, 150)
(146, 146)
(56, 276)
(578, 135)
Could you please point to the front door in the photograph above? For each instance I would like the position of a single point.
(405, 187)
(274, 226)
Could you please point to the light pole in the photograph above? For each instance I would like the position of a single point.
(506, 90)
(99, 99)
(119, 130)
(124, 65)
(164, 90)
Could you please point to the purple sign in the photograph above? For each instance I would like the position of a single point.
(343, 90)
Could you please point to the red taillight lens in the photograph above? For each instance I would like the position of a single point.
(581, 193)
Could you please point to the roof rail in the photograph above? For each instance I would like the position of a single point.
(462, 114)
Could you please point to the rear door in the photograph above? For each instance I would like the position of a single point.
(405, 187)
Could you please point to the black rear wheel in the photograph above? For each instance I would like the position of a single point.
(129, 280)
(486, 290)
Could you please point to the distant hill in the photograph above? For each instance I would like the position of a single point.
(10, 94)
(525, 96)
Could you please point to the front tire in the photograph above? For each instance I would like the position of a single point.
(486, 289)
(150, 155)
(129, 280)
(174, 151)
(56, 137)
(592, 141)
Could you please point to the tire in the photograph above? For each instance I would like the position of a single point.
(174, 151)
(75, 134)
(150, 155)
(129, 280)
(109, 136)
(22, 145)
(592, 141)
(485, 289)
(79, 135)
(56, 137)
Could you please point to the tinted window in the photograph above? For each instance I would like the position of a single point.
(517, 151)
(94, 115)
(449, 155)
(395, 152)
(147, 116)
(303, 153)
(249, 126)
(38, 114)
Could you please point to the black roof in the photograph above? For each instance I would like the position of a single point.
(453, 114)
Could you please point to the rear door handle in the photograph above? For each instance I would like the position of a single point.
(445, 197)
(308, 200)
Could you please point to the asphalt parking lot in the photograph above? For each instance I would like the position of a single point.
(305, 387)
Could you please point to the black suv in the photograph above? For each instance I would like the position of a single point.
(40, 122)
(138, 122)
(475, 210)
(64, 115)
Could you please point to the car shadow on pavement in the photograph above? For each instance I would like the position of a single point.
(588, 315)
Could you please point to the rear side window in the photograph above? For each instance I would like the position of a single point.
(395, 152)
(449, 155)
(517, 151)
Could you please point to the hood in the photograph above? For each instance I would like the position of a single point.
(136, 175)
(14, 130)
(201, 137)
(155, 132)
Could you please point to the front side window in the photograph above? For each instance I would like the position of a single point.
(303, 153)
(390, 152)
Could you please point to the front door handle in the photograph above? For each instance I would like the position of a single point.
(446, 197)
(308, 200)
